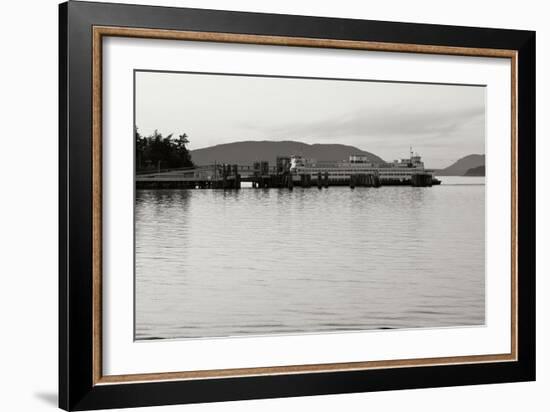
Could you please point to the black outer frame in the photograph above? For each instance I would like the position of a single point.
(76, 389)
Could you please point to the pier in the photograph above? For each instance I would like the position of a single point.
(261, 175)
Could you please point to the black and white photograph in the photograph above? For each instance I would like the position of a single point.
(272, 205)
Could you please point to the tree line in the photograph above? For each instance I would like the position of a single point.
(158, 152)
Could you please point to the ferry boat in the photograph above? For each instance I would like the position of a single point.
(407, 171)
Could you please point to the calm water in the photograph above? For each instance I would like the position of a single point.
(263, 261)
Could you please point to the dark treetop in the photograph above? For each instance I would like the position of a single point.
(156, 151)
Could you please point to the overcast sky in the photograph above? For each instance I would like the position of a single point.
(442, 123)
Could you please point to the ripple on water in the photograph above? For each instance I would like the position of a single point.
(211, 263)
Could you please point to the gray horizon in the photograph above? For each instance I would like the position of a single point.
(443, 123)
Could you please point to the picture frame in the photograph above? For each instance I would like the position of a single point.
(82, 383)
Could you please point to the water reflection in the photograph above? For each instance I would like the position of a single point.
(262, 261)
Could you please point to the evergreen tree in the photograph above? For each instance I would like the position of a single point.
(158, 152)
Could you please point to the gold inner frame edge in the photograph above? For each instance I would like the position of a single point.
(98, 32)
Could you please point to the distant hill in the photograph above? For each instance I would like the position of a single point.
(475, 171)
(245, 153)
(461, 166)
